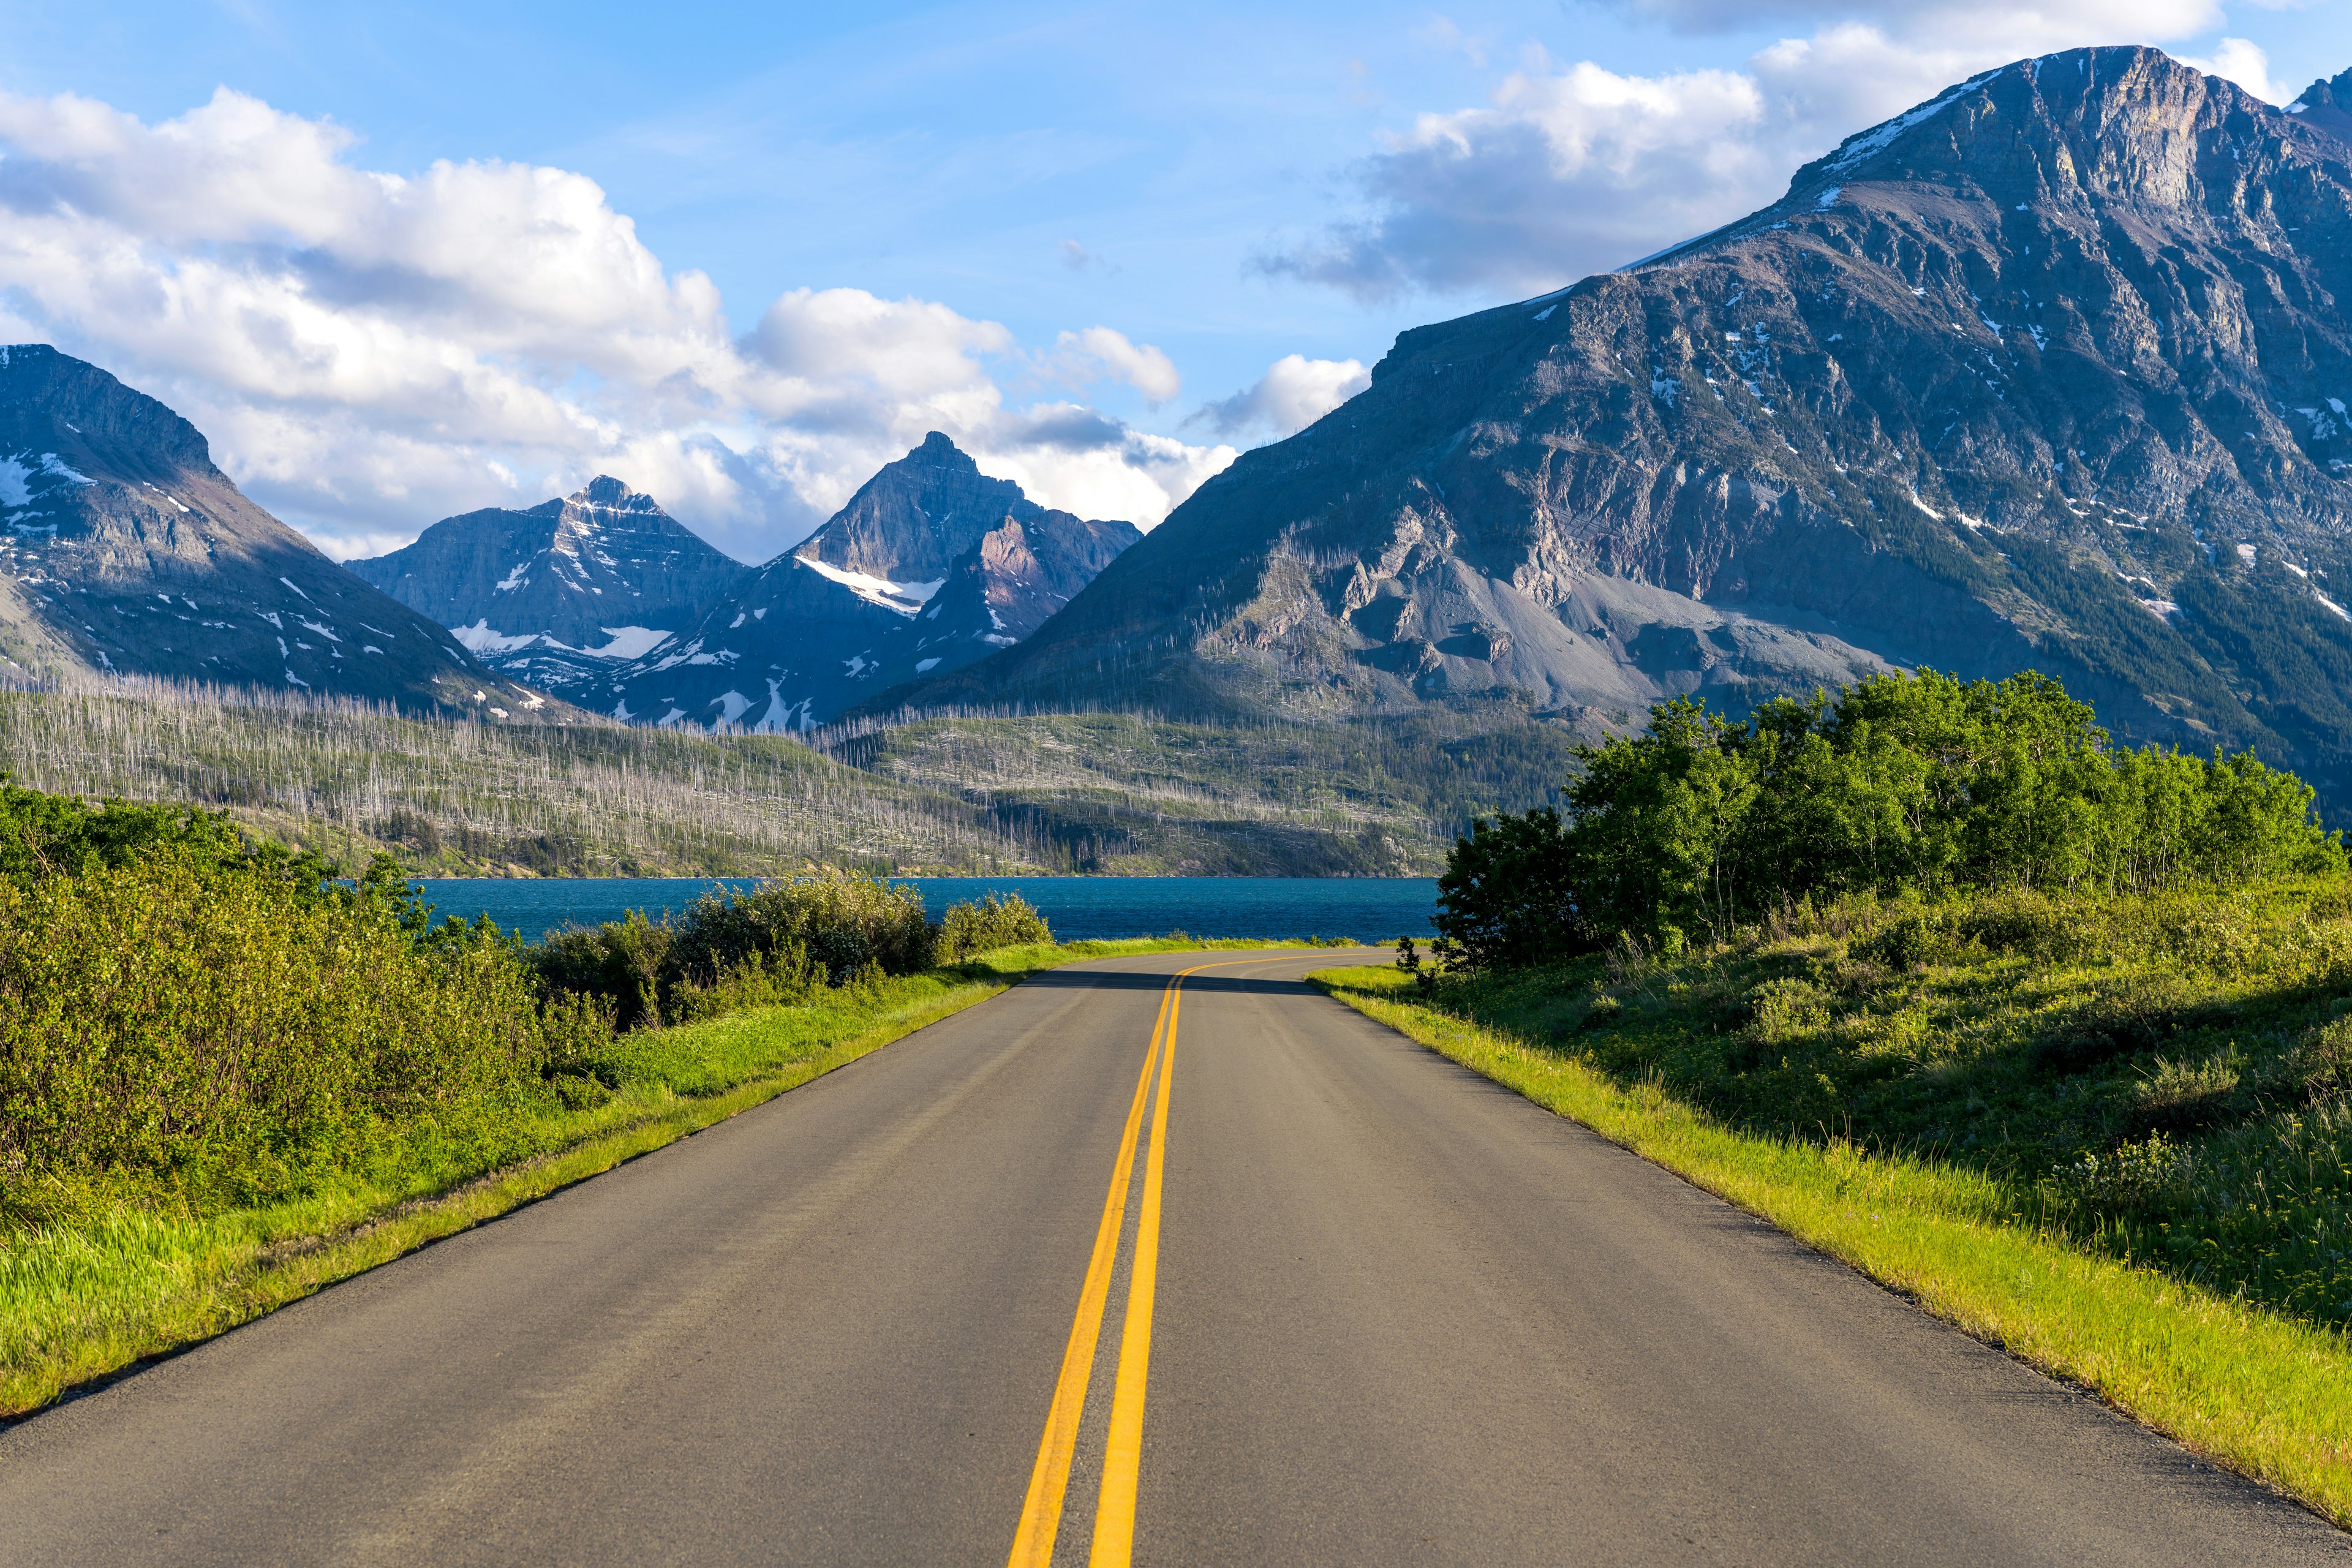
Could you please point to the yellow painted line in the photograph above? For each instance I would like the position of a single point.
(1113, 1541)
(1041, 1509)
(1041, 1512)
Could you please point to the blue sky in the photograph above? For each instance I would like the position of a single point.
(1226, 184)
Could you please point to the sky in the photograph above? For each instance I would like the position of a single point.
(402, 260)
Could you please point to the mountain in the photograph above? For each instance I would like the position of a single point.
(2328, 104)
(127, 552)
(932, 564)
(2051, 371)
(561, 593)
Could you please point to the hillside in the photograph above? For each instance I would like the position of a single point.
(2048, 372)
(128, 552)
(1125, 793)
(455, 798)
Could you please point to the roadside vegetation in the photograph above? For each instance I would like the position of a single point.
(2054, 1034)
(227, 1078)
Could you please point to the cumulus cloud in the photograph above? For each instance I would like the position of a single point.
(369, 351)
(1100, 354)
(1293, 394)
(1571, 169)
(2243, 61)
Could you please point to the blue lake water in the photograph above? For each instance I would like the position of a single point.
(1369, 908)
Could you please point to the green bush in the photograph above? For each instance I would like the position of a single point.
(842, 923)
(621, 963)
(48, 835)
(988, 924)
(222, 1032)
(776, 943)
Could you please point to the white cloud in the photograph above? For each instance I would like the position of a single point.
(369, 351)
(1565, 172)
(2241, 60)
(1098, 353)
(1293, 394)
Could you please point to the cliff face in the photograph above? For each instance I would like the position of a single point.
(563, 593)
(126, 550)
(930, 565)
(2051, 371)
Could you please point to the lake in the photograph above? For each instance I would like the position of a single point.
(1369, 908)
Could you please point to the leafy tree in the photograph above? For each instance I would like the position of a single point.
(1507, 894)
(1902, 781)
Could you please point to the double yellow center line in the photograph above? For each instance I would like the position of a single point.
(1041, 1512)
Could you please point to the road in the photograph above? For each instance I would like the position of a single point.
(1385, 1313)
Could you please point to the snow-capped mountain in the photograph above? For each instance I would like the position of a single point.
(127, 552)
(563, 593)
(932, 564)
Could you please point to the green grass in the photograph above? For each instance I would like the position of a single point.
(82, 1301)
(2265, 1393)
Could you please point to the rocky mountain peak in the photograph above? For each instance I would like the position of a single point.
(605, 493)
(60, 404)
(930, 566)
(127, 550)
(2082, 131)
(560, 592)
(917, 516)
(2327, 105)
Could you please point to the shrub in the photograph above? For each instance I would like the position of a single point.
(842, 923)
(2133, 1178)
(48, 834)
(217, 1029)
(736, 950)
(2321, 1069)
(988, 924)
(621, 963)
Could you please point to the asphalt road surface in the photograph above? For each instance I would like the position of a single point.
(1342, 1302)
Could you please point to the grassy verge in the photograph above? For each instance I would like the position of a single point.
(82, 1302)
(2265, 1394)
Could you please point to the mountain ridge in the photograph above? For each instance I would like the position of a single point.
(2045, 371)
(562, 593)
(128, 550)
(929, 565)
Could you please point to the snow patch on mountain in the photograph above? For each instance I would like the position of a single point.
(904, 597)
